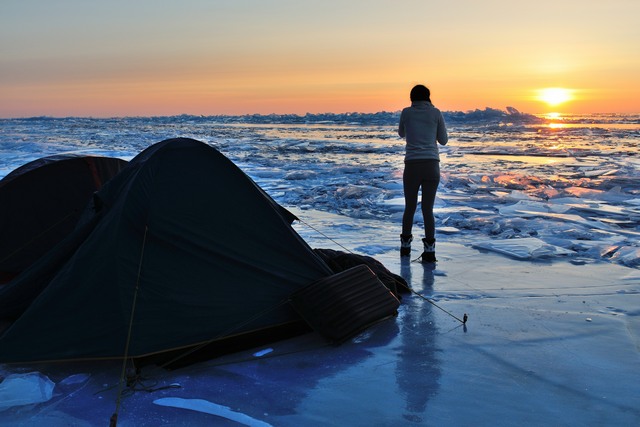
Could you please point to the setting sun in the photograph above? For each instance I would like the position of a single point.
(554, 95)
(253, 57)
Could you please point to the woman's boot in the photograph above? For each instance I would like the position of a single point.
(429, 254)
(405, 244)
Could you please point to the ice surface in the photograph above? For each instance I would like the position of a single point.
(263, 352)
(547, 343)
(75, 379)
(505, 174)
(537, 241)
(524, 248)
(207, 407)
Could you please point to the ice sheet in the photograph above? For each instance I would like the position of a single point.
(547, 343)
(553, 298)
(499, 168)
(201, 405)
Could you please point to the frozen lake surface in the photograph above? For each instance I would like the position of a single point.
(538, 228)
(546, 343)
(570, 182)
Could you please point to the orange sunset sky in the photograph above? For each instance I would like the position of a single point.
(161, 57)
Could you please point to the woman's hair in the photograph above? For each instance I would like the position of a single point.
(420, 93)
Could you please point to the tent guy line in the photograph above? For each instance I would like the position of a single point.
(464, 319)
(114, 418)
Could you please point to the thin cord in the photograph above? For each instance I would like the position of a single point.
(134, 381)
(463, 320)
(114, 417)
(323, 235)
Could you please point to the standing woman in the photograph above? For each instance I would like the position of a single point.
(423, 127)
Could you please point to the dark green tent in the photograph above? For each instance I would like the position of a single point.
(183, 249)
(41, 203)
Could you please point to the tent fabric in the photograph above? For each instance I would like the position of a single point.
(185, 249)
(41, 203)
(17, 295)
(340, 261)
(340, 306)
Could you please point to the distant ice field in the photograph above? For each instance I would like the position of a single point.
(521, 185)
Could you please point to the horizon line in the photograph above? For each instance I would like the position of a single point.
(485, 109)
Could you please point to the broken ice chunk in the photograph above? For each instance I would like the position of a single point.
(25, 389)
(524, 248)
